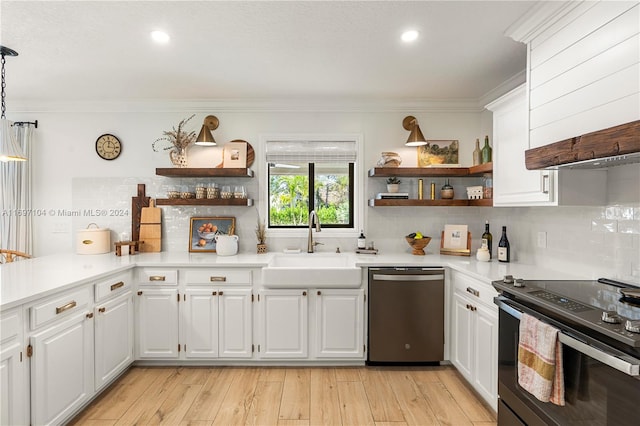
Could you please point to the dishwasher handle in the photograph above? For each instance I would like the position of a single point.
(402, 277)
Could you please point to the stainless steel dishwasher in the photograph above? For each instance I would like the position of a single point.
(406, 315)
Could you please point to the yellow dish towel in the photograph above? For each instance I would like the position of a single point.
(540, 360)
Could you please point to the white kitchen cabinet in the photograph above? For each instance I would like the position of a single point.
(339, 323)
(235, 338)
(513, 184)
(217, 323)
(200, 323)
(157, 323)
(474, 335)
(283, 323)
(583, 62)
(114, 328)
(13, 370)
(61, 368)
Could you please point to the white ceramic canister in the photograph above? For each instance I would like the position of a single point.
(226, 245)
(93, 240)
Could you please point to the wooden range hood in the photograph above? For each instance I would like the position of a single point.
(613, 146)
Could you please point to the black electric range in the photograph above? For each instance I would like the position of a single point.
(592, 306)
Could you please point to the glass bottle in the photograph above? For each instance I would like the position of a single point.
(477, 154)
(486, 151)
(487, 238)
(446, 193)
(362, 241)
(504, 249)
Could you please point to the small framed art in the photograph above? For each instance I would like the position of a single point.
(203, 232)
(438, 153)
(456, 240)
(235, 155)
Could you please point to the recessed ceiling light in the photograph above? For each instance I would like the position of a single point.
(160, 37)
(409, 36)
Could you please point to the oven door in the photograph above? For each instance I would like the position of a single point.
(602, 385)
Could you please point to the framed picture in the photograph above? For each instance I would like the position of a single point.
(203, 231)
(235, 155)
(456, 240)
(438, 153)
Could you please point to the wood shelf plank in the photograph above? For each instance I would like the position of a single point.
(481, 169)
(204, 172)
(419, 172)
(203, 202)
(427, 203)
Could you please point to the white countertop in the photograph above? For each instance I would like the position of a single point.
(27, 280)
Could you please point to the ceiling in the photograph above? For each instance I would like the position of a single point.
(101, 50)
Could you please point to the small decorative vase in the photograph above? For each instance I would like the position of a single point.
(446, 193)
(178, 157)
(261, 248)
(393, 187)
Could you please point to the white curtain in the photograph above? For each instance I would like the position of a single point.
(16, 227)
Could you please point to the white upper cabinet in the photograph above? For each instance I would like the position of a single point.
(583, 67)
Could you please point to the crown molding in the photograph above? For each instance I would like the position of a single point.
(250, 105)
(515, 81)
(538, 18)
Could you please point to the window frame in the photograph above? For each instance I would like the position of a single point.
(358, 202)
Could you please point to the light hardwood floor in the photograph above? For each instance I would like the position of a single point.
(380, 396)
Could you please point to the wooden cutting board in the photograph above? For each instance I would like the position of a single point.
(151, 228)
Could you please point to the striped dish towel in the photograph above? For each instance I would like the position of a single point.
(540, 360)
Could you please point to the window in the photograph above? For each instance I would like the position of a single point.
(311, 175)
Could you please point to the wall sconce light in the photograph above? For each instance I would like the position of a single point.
(205, 138)
(9, 148)
(416, 138)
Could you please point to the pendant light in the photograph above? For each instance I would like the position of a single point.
(416, 138)
(9, 148)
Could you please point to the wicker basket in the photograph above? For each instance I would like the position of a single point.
(418, 245)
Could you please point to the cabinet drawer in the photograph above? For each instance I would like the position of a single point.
(10, 325)
(59, 306)
(112, 287)
(158, 276)
(219, 276)
(473, 288)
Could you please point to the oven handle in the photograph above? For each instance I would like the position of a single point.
(623, 363)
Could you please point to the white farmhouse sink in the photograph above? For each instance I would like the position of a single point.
(327, 270)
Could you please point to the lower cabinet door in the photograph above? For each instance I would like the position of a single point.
(200, 323)
(486, 354)
(339, 323)
(235, 337)
(13, 400)
(462, 337)
(283, 324)
(61, 369)
(113, 338)
(158, 323)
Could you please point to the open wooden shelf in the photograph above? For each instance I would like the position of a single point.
(429, 203)
(247, 202)
(431, 171)
(204, 172)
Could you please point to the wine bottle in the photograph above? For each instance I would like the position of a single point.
(477, 154)
(486, 151)
(504, 250)
(487, 238)
(362, 241)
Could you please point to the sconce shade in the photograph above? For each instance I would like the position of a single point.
(9, 148)
(416, 138)
(205, 138)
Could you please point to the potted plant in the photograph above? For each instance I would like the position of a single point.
(178, 139)
(261, 235)
(393, 184)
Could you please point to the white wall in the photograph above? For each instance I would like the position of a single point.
(70, 177)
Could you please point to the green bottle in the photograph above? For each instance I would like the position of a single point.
(486, 151)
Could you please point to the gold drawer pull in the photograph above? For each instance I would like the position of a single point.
(218, 279)
(157, 278)
(117, 285)
(70, 305)
(473, 291)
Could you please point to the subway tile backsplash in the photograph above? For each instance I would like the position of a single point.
(590, 241)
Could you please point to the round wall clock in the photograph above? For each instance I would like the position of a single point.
(108, 147)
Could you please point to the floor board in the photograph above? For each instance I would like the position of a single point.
(288, 396)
